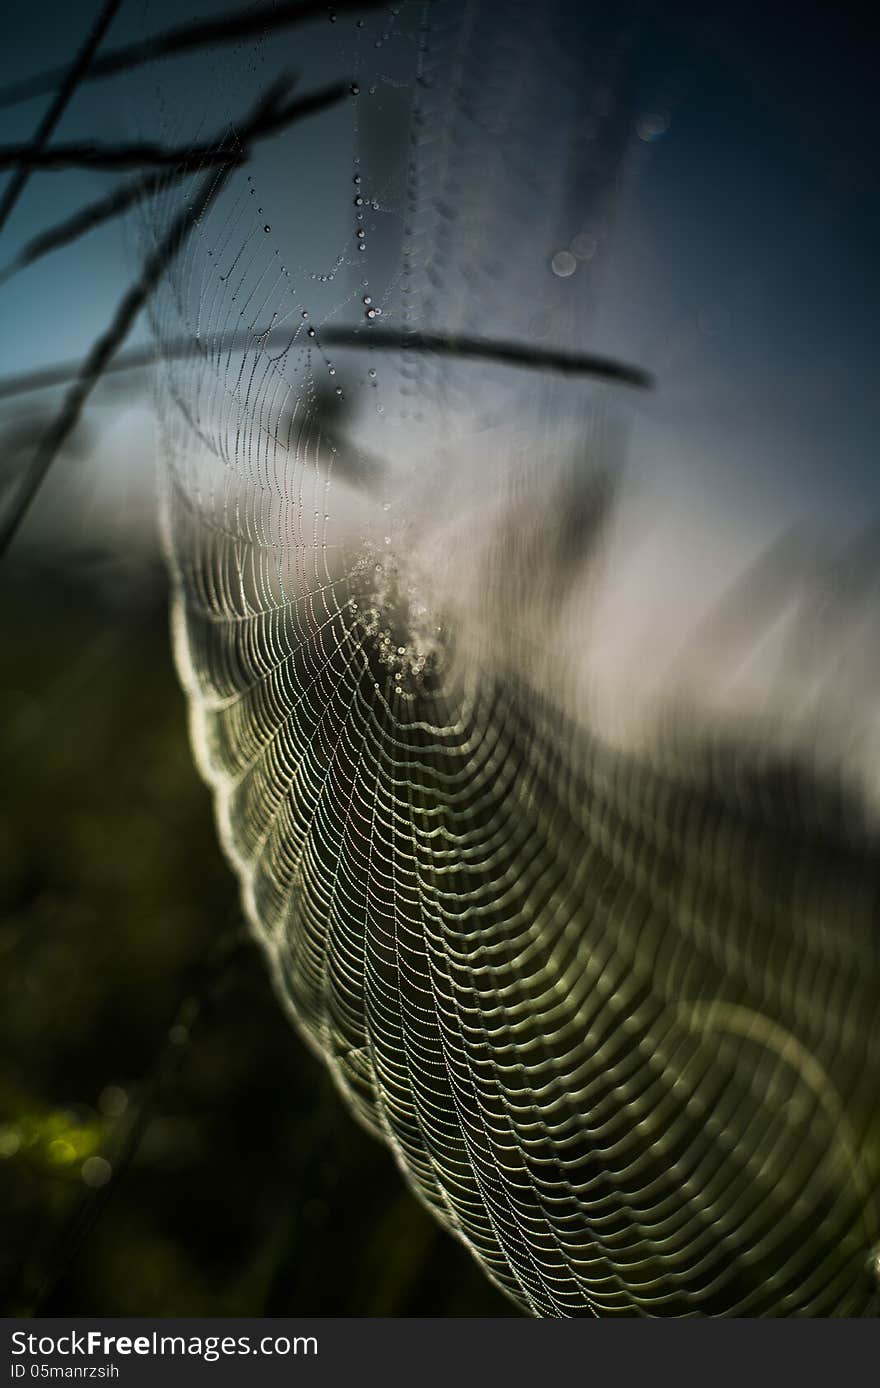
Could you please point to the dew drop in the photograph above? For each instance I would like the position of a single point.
(563, 264)
(354, 89)
(267, 227)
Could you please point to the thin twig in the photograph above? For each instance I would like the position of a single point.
(228, 29)
(70, 80)
(516, 354)
(88, 154)
(521, 354)
(93, 215)
(122, 199)
(190, 158)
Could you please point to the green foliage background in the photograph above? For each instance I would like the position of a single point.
(138, 1024)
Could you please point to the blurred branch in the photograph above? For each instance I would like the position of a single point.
(70, 78)
(189, 161)
(94, 214)
(485, 349)
(88, 155)
(268, 116)
(191, 158)
(517, 354)
(229, 28)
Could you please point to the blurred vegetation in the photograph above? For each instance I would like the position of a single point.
(167, 1144)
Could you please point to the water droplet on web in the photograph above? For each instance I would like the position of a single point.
(371, 313)
(358, 202)
(267, 227)
(356, 179)
(312, 332)
(360, 232)
(372, 372)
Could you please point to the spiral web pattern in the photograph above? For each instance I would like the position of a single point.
(615, 1013)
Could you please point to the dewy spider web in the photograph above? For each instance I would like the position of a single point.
(615, 1012)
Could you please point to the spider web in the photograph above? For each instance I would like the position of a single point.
(615, 1012)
